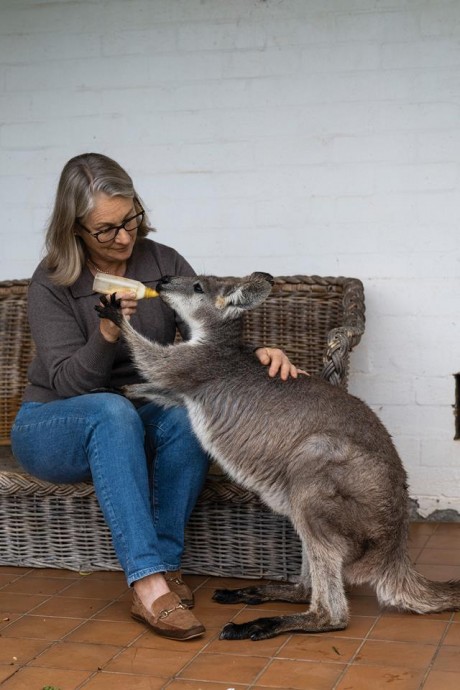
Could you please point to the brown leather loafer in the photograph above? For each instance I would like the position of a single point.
(168, 616)
(177, 585)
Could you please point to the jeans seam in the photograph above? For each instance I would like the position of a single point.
(107, 500)
(155, 498)
(17, 426)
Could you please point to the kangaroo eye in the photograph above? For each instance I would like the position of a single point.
(197, 288)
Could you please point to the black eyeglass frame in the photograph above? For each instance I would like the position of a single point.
(117, 228)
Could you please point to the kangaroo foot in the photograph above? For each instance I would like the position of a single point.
(279, 591)
(248, 595)
(259, 629)
(264, 628)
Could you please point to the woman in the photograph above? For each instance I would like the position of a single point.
(70, 429)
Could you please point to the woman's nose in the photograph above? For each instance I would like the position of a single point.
(123, 237)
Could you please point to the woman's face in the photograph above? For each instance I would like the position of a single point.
(108, 214)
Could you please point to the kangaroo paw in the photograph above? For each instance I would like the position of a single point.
(259, 629)
(248, 595)
(110, 309)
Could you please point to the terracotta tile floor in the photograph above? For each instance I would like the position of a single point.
(70, 631)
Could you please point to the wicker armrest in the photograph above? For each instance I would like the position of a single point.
(341, 340)
(316, 320)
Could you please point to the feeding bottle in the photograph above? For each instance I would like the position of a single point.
(106, 284)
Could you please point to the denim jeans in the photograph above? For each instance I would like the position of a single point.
(103, 437)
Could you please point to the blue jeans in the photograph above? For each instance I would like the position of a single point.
(103, 437)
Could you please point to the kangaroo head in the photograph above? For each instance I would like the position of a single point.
(206, 301)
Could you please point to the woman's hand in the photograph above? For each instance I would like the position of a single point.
(128, 305)
(278, 361)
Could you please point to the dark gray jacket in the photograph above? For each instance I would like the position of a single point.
(72, 356)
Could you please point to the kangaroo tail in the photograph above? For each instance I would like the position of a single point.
(402, 586)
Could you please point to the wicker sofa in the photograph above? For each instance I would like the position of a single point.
(316, 320)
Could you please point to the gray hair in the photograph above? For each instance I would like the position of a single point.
(81, 179)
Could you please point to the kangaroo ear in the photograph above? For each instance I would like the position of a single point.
(260, 275)
(251, 292)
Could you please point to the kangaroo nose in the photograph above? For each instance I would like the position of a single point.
(163, 280)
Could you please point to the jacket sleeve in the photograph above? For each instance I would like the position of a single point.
(74, 363)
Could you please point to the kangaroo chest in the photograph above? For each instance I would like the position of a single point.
(229, 455)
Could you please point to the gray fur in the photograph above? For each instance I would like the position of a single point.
(310, 450)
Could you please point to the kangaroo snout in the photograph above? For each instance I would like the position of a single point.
(163, 280)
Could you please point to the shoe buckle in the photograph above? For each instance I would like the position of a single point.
(176, 580)
(165, 612)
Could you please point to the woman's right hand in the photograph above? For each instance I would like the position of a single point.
(108, 329)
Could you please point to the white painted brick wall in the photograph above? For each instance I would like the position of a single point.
(293, 136)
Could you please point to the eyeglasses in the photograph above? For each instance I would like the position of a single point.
(108, 235)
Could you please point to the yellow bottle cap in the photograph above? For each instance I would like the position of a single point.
(150, 292)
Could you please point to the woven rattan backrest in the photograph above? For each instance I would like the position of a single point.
(315, 320)
(16, 351)
(297, 317)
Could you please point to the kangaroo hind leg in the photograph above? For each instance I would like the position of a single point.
(328, 609)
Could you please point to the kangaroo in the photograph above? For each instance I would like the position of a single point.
(311, 451)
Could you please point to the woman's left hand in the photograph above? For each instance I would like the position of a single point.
(278, 362)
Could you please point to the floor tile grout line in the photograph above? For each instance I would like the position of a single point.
(30, 612)
(350, 662)
(128, 646)
(203, 649)
(93, 674)
(436, 653)
(276, 656)
(188, 663)
(15, 579)
(175, 676)
(367, 638)
(269, 662)
(53, 643)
